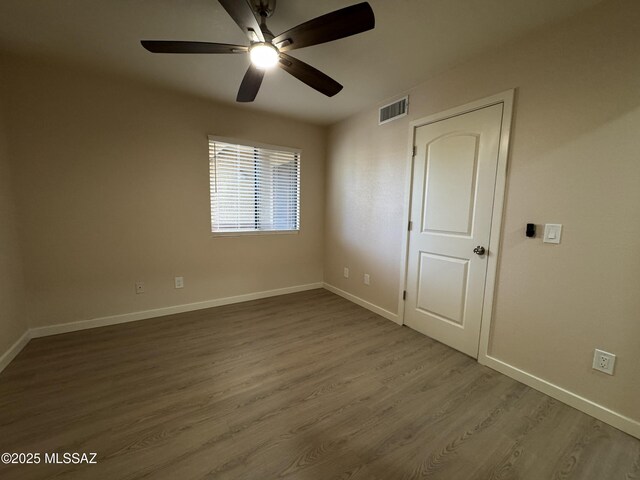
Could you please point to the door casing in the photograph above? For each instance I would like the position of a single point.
(505, 98)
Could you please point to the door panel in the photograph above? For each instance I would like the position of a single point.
(450, 184)
(454, 175)
(442, 286)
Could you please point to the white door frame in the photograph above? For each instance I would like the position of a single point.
(507, 99)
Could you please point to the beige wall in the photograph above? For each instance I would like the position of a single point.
(13, 319)
(112, 187)
(574, 160)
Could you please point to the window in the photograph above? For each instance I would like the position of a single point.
(253, 188)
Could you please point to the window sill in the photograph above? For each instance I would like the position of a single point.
(254, 233)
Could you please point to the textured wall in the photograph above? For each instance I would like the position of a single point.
(13, 317)
(112, 187)
(574, 160)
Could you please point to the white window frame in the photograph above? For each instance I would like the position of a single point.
(252, 144)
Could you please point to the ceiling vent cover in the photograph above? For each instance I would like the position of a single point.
(393, 110)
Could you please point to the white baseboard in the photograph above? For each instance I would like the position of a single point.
(38, 332)
(14, 350)
(626, 424)
(615, 419)
(363, 303)
(160, 312)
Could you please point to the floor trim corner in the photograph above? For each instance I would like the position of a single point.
(394, 317)
(14, 350)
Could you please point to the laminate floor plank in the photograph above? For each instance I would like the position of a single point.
(305, 386)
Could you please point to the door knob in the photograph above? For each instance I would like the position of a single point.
(479, 250)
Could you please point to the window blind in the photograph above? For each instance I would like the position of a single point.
(253, 188)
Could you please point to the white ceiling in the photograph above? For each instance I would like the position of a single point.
(413, 40)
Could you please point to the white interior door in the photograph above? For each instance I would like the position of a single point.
(454, 178)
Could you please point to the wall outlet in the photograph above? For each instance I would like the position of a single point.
(346, 272)
(179, 282)
(367, 279)
(604, 361)
(139, 287)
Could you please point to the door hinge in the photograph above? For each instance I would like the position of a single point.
(410, 227)
(415, 150)
(404, 295)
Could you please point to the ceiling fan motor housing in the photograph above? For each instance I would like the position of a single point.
(264, 8)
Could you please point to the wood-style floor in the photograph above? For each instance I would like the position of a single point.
(306, 386)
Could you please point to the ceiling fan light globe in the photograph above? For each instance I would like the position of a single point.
(263, 55)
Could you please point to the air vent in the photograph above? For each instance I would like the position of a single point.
(393, 110)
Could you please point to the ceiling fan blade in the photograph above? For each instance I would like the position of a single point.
(250, 84)
(309, 75)
(162, 46)
(242, 14)
(332, 26)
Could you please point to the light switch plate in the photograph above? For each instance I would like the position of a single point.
(552, 233)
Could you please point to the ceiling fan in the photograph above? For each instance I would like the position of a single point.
(267, 50)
